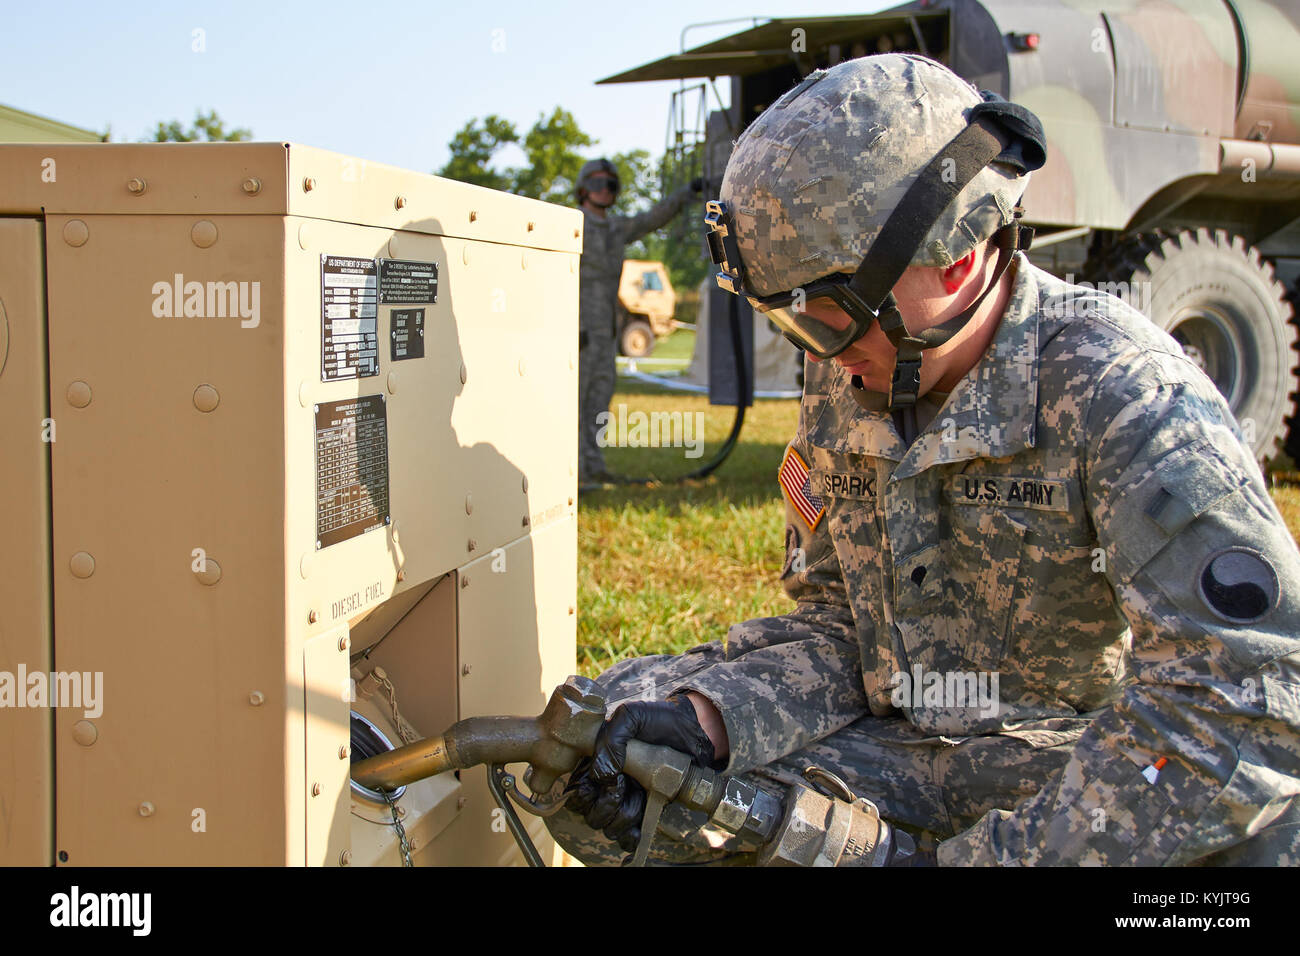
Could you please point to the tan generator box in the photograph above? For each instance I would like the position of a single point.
(288, 473)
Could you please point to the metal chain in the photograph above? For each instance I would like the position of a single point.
(408, 733)
(401, 830)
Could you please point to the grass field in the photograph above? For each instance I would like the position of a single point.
(661, 569)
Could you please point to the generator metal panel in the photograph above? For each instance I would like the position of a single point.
(351, 468)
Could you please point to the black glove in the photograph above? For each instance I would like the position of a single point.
(608, 799)
(697, 185)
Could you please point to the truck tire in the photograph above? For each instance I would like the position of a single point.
(637, 339)
(1219, 299)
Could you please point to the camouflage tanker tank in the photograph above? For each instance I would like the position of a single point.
(1173, 171)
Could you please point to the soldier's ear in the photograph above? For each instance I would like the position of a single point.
(955, 275)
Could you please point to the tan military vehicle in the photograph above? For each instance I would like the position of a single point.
(289, 474)
(646, 302)
(1173, 166)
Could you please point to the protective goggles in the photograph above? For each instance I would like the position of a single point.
(802, 315)
(596, 183)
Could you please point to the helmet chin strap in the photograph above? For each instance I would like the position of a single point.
(906, 381)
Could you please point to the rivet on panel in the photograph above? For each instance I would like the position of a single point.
(204, 233)
(525, 483)
(392, 383)
(401, 575)
(304, 236)
(146, 809)
(308, 184)
(464, 373)
(465, 670)
(345, 642)
(210, 574)
(570, 501)
(84, 733)
(206, 398)
(252, 185)
(78, 394)
(82, 565)
(312, 617)
(136, 186)
(399, 202)
(343, 752)
(524, 523)
(257, 698)
(532, 226)
(315, 789)
(464, 580)
(473, 215)
(471, 544)
(577, 233)
(75, 232)
(469, 504)
(570, 610)
(345, 858)
(305, 564)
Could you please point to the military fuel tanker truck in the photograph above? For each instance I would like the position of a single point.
(1173, 169)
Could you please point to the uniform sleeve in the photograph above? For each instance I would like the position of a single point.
(787, 681)
(1208, 577)
(634, 227)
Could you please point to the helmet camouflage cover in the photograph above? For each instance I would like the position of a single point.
(811, 182)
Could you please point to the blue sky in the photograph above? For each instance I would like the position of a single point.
(388, 82)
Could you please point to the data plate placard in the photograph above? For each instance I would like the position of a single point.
(405, 281)
(408, 334)
(351, 468)
(349, 295)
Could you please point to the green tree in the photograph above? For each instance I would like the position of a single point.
(551, 150)
(472, 149)
(210, 128)
(553, 161)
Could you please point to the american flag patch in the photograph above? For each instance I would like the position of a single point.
(793, 477)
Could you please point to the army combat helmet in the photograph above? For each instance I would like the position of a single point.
(590, 170)
(858, 172)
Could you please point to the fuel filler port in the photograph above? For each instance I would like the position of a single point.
(369, 741)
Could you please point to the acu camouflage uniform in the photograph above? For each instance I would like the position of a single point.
(1078, 516)
(603, 244)
(1087, 602)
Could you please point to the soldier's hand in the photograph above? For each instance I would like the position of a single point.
(607, 798)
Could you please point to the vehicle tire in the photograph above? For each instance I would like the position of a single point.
(637, 339)
(1219, 299)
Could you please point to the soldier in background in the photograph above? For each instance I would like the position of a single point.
(1047, 612)
(604, 238)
